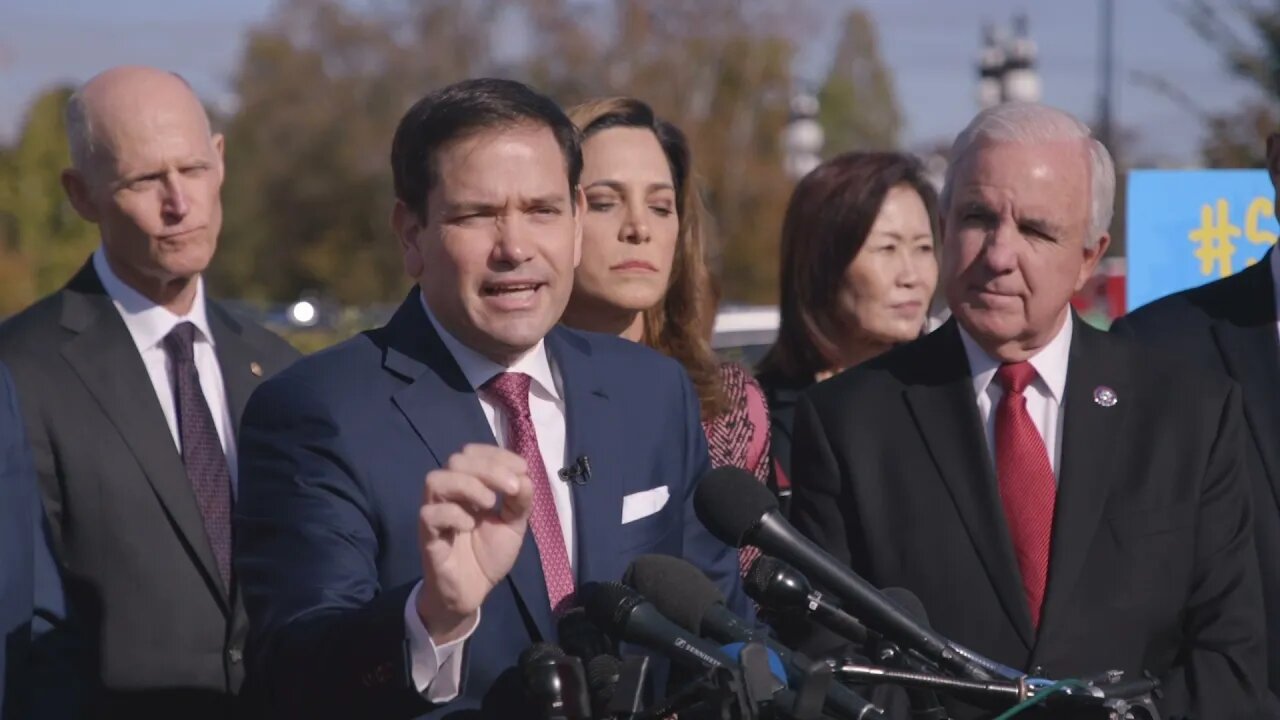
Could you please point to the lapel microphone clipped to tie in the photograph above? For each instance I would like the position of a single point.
(578, 472)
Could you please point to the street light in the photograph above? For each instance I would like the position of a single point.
(803, 137)
(1007, 65)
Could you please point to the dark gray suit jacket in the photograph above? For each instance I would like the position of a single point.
(166, 637)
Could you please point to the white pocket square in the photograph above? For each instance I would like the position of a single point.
(644, 503)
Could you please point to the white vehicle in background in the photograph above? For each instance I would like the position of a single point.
(744, 333)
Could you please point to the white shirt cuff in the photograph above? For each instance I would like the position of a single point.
(437, 671)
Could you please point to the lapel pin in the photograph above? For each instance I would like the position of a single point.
(256, 369)
(1105, 396)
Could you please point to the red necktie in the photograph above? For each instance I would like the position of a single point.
(511, 391)
(1027, 486)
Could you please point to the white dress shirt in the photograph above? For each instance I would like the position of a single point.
(148, 324)
(437, 671)
(1044, 394)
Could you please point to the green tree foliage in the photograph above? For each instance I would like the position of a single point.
(1237, 138)
(859, 108)
(42, 239)
(321, 85)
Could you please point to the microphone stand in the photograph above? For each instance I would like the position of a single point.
(749, 691)
(1111, 700)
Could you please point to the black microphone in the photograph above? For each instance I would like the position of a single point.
(739, 511)
(616, 686)
(780, 587)
(628, 616)
(684, 594)
(578, 472)
(582, 638)
(555, 683)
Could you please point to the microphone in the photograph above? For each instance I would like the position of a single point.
(628, 616)
(778, 586)
(625, 614)
(616, 686)
(555, 683)
(578, 472)
(683, 593)
(739, 511)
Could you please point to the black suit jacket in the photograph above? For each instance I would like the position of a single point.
(1230, 326)
(1152, 564)
(165, 635)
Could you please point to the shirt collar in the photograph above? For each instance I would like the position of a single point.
(1050, 363)
(148, 323)
(479, 369)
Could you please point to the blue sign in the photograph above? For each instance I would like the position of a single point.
(1189, 227)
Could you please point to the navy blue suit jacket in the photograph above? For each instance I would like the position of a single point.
(38, 677)
(333, 454)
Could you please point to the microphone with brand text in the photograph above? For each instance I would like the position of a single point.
(554, 683)
(628, 616)
(684, 594)
(739, 511)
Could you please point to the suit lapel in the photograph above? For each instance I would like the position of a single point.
(444, 411)
(236, 360)
(1086, 469)
(946, 414)
(597, 504)
(1250, 349)
(103, 355)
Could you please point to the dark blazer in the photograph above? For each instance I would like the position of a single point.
(782, 393)
(40, 672)
(1152, 564)
(333, 455)
(166, 636)
(1230, 326)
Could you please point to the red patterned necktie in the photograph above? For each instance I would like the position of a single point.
(1027, 486)
(511, 391)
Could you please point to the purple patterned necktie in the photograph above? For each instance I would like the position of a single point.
(511, 391)
(201, 448)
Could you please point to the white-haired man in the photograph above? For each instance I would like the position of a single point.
(1060, 499)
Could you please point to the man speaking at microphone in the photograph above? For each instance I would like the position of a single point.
(1061, 500)
(375, 593)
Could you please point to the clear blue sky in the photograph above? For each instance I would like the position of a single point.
(930, 45)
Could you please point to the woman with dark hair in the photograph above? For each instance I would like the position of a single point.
(644, 274)
(858, 273)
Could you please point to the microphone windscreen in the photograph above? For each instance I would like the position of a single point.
(608, 605)
(538, 652)
(730, 501)
(534, 655)
(908, 603)
(760, 576)
(678, 589)
(581, 637)
(602, 678)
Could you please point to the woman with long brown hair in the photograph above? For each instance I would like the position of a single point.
(644, 274)
(858, 273)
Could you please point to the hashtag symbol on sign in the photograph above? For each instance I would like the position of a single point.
(1214, 247)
